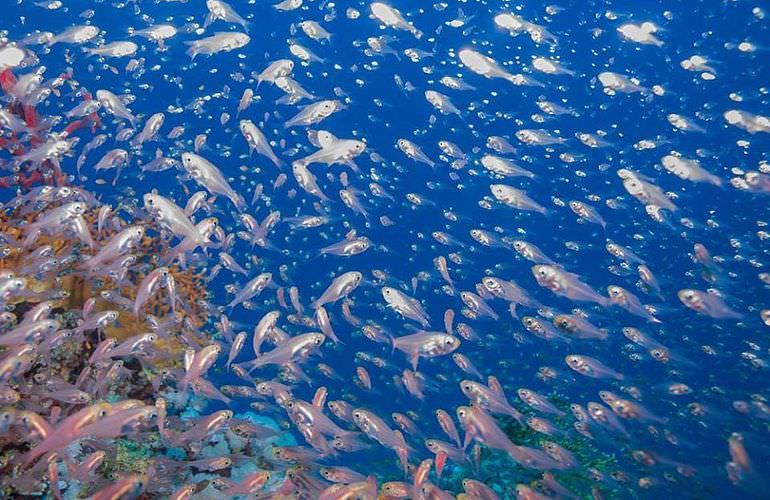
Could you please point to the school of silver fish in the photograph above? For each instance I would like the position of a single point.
(290, 286)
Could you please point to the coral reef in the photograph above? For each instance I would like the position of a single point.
(78, 338)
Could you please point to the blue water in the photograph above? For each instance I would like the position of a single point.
(724, 219)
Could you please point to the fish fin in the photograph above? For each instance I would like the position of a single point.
(189, 354)
(414, 358)
(496, 387)
(320, 397)
(353, 166)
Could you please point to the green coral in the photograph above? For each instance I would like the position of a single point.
(131, 457)
(499, 472)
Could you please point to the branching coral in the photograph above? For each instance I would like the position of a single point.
(82, 360)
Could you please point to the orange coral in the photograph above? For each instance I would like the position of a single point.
(190, 285)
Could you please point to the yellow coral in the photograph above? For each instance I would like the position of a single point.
(190, 285)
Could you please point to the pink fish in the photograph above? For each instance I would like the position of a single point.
(709, 304)
(448, 426)
(362, 489)
(489, 399)
(466, 365)
(566, 284)
(149, 286)
(69, 430)
(325, 325)
(590, 367)
(198, 363)
(477, 489)
(121, 423)
(204, 428)
(249, 485)
(426, 345)
(342, 475)
(235, 348)
(363, 378)
(481, 427)
(299, 347)
(84, 471)
(120, 244)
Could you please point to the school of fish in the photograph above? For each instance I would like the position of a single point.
(378, 250)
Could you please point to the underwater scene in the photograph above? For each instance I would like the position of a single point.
(316, 249)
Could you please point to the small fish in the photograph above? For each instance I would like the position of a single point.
(405, 305)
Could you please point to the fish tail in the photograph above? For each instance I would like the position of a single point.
(193, 51)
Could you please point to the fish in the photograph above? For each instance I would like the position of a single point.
(516, 198)
(709, 304)
(210, 177)
(339, 288)
(218, 42)
(299, 346)
(258, 142)
(313, 114)
(77, 34)
(392, 18)
(406, 306)
(489, 68)
(113, 105)
(171, 216)
(158, 33)
(114, 49)
(425, 345)
(334, 150)
(504, 168)
(591, 367)
(220, 10)
(566, 284)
